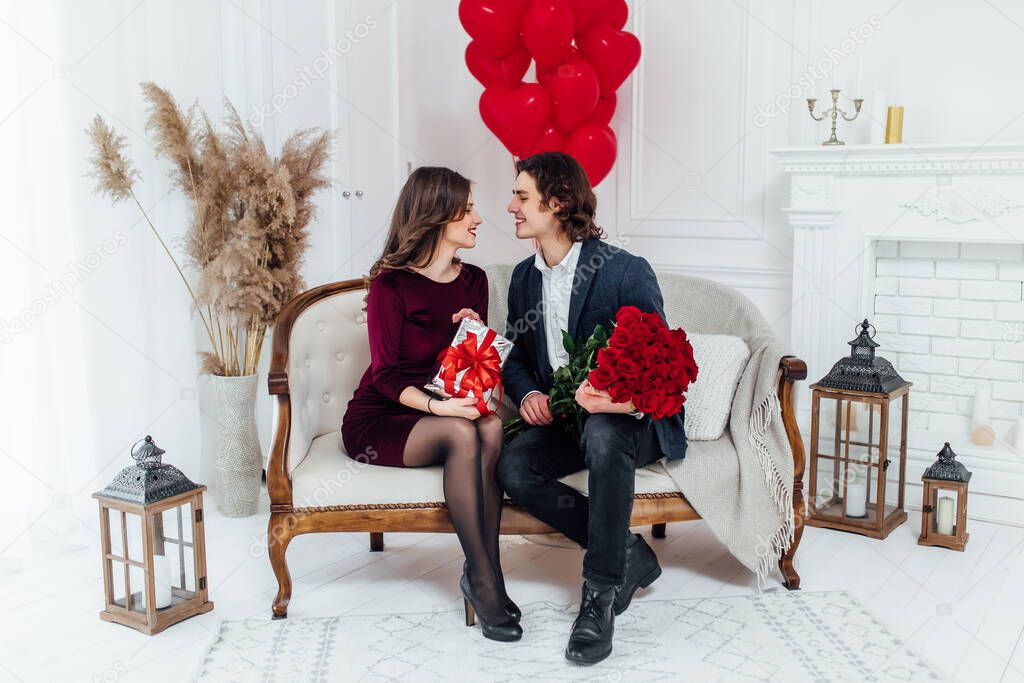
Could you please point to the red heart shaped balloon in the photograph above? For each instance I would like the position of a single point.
(497, 73)
(544, 74)
(548, 31)
(518, 116)
(551, 140)
(574, 91)
(495, 24)
(604, 110)
(594, 147)
(615, 15)
(587, 13)
(613, 54)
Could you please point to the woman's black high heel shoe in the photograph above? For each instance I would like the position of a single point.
(511, 608)
(507, 632)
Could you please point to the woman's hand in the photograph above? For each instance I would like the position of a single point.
(466, 313)
(456, 407)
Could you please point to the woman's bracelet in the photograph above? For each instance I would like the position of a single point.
(429, 399)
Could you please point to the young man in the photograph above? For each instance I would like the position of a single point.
(574, 283)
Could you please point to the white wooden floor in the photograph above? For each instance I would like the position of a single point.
(964, 612)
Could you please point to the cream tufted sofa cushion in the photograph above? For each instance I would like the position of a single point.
(328, 353)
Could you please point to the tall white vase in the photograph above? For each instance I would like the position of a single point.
(239, 459)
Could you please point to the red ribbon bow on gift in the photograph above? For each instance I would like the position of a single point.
(482, 365)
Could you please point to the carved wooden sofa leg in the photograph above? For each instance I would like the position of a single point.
(376, 541)
(793, 369)
(279, 535)
(658, 530)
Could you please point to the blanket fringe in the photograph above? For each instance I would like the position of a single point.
(779, 489)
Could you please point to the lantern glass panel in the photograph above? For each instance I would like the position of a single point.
(944, 506)
(892, 470)
(847, 460)
(117, 570)
(125, 534)
(178, 551)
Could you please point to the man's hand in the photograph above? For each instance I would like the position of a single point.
(596, 401)
(536, 410)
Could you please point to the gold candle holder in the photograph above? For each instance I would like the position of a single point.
(894, 126)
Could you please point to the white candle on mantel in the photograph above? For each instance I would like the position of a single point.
(944, 516)
(982, 404)
(856, 498)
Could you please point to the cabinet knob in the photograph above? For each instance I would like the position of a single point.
(359, 193)
(346, 194)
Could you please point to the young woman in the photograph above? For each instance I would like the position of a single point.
(419, 291)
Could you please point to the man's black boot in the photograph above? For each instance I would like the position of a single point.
(642, 569)
(591, 637)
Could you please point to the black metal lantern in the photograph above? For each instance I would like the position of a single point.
(850, 462)
(154, 508)
(862, 370)
(944, 506)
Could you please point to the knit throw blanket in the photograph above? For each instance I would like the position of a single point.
(742, 483)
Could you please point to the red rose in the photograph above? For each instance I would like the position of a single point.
(627, 315)
(608, 356)
(627, 367)
(670, 405)
(646, 402)
(601, 377)
(653, 323)
(620, 391)
(621, 337)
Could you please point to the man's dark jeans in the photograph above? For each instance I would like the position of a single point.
(613, 447)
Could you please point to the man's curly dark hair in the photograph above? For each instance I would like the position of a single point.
(560, 176)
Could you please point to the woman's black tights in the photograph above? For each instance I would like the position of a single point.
(469, 450)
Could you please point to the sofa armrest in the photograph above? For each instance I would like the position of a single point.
(279, 482)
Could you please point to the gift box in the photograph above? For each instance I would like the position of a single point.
(471, 365)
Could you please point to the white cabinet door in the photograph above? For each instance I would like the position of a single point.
(367, 91)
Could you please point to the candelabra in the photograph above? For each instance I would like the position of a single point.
(835, 112)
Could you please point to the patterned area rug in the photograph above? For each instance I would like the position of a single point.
(826, 636)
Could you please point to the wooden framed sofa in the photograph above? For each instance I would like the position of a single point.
(320, 352)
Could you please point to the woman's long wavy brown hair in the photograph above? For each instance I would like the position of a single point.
(432, 197)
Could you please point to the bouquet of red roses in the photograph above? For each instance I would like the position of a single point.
(642, 361)
(645, 362)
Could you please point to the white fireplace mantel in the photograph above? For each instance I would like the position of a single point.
(903, 159)
(843, 200)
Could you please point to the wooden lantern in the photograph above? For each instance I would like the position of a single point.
(850, 461)
(944, 502)
(153, 544)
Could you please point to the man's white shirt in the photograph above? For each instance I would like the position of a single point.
(557, 286)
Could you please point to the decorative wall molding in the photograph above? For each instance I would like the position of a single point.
(734, 276)
(961, 205)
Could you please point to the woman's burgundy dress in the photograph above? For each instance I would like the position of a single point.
(409, 318)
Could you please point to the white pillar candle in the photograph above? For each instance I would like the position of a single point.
(856, 497)
(161, 581)
(944, 516)
(982, 405)
(877, 105)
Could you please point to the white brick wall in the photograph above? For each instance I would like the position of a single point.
(951, 318)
